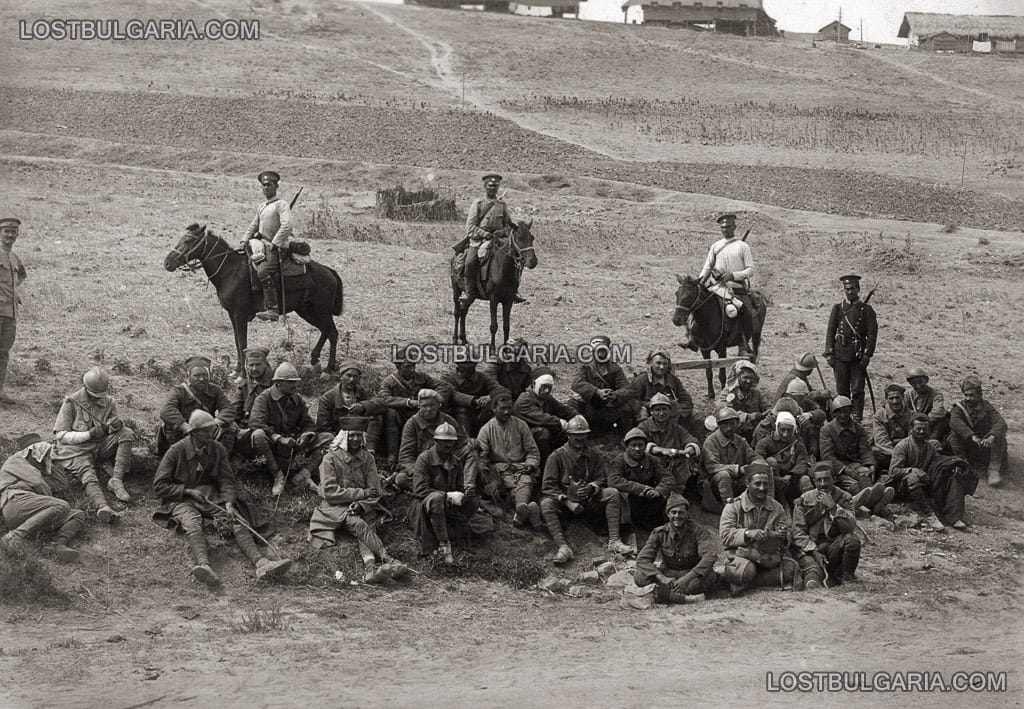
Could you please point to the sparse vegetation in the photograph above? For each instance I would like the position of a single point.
(24, 578)
(426, 204)
(263, 620)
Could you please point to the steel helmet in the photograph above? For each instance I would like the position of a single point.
(659, 399)
(286, 372)
(577, 424)
(96, 380)
(916, 372)
(841, 402)
(807, 362)
(798, 386)
(446, 432)
(726, 414)
(200, 419)
(633, 433)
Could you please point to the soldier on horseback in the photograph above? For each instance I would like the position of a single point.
(267, 236)
(726, 273)
(488, 218)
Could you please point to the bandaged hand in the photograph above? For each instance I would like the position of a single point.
(455, 498)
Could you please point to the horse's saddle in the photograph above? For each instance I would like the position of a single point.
(296, 276)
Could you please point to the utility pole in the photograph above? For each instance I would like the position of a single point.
(862, 30)
(963, 169)
(840, 23)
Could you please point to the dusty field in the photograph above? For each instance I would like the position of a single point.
(107, 154)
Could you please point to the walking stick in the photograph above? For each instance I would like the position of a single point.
(287, 474)
(871, 390)
(821, 376)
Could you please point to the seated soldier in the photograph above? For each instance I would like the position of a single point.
(351, 492)
(345, 405)
(742, 395)
(932, 483)
(756, 534)
(575, 483)
(802, 371)
(659, 379)
(510, 461)
(823, 532)
(726, 457)
(688, 554)
(978, 432)
(844, 444)
(671, 444)
(281, 428)
(922, 398)
(27, 504)
(604, 395)
(467, 394)
(786, 455)
(445, 493)
(89, 432)
(512, 369)
(196, 392)
(258, 377)
(400, 391)
(810, 417)
(193, 481)
(890, 425)
(543, 413)
(418, 435)
(642, 481)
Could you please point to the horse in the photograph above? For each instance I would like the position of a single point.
(506, 261)
(712, 330)
(228, 270)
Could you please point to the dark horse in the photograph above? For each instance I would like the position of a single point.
(228, 271)
(502, 280)
(712, 330)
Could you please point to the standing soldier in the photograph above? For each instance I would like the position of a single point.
(12, 273)
(850, 343)
(488, 218)
(726, 273)
(272, 226)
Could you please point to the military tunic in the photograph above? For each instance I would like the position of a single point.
(849, 345)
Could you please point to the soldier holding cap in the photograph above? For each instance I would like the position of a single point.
(850, 343)
(12, 273)
(273, 226)
(823, 532)
(488, 217)
(726, 273)
(197, 392)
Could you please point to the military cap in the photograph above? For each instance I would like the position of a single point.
(726, 414)
(841, 402)
(822, 465)
(916, 372)
(541, 371)
(200, 419)
(725, 218)
(659, 399)
(500, 394)
(349, 364)
(428, 395)
(256, 354)
(446, 432)
(807, 362)
(971, 382)
(849, 278)
(286, 372)
(797, 387)
(10, 221)
(197, 362)
(633, 433)
(787, 404)
(356, 424)
(894, 387)
(598, 340)
(758, 467)
(268, 176)
(658, 353)
(676, 500)
(492, 176)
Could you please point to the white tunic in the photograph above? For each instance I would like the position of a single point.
(730, 255)
(274, 221)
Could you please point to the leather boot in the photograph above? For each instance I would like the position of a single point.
(70, 529)
(201, 571)
(445, 550)
(373, 575)
(850, 561)
(272, 313)
(278, 486)
(122, 464)
(104, 512)
(994, 477)
(394, 568)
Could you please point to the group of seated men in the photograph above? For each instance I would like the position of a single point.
(789, 478)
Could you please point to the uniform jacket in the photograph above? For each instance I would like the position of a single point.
(542, 413)
(458, 393)
(431, 474)
(19, 472)
(981, 421)
(183, 400)
(273, 221)
(281, 414)
(517, 377)
(889, 428)
(331, 408)
(845, 444)
(692, 547)
(723, 454)
(418, 436)
(590, 379)
(246, 393)
(510, 442)
(930, 402)
(565, 467)
(643, 387)
(789, 458)
(633, 478)
(742, 514)
(814, 525)
(346, 478)
(486, 216)
(847, 343)
(396, 392)
(672, 435)
(909, 454)
(78, 414)
(12, 273)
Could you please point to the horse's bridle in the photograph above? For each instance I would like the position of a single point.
(690, 308)
(194, 263)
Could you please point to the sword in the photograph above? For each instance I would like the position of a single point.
(871, 390)
(295, 199)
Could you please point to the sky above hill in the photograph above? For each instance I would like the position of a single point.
(881, 17)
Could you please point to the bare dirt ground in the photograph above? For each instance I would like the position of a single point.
(109, 150)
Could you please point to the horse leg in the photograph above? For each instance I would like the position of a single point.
(706, 354)
(506, 313)
(240, 328)
(494, 320)
(721, 370)
(456, 294)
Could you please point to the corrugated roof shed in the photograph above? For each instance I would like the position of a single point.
(927, 24)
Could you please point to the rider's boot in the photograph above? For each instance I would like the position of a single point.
(270, 298)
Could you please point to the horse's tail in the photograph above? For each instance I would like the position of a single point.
(339, 294)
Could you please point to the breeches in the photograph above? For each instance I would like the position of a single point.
(31, 514)
(84, 466)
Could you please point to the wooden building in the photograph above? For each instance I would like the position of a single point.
(742, 17)
(546, 8)
(834, 31)
(963, 33)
